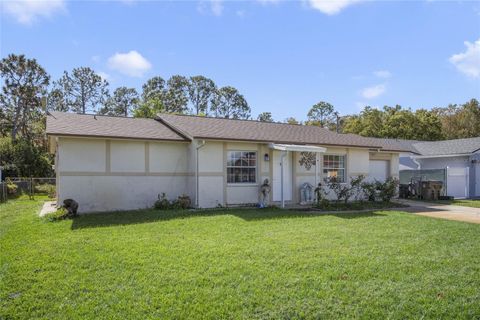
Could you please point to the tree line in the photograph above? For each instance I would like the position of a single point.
(83, 91)
(28, 93)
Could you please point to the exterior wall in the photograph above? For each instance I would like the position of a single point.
(106, 175)
(210, 175)
(441, 163)
(393, 158)
(82, 155)
(109, 174)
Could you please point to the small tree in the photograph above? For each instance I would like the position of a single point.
(149, 109)
(292, 120)
(83, 90)
(122, 103)
(24, 84)
(175, 99)
(229, 103)
(201, 92)
(321, 114)
(265, 117)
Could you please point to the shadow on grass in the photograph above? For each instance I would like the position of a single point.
(96, 220)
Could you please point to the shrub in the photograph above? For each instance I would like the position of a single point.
(182, 202)
(58, 215)
(47, 189)
(342, 191)
(162, 203)
(356, 184)
(383, 190)
(388, 189)
(12, 188)
(369, 189)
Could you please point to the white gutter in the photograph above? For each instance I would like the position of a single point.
(442, 156)
(296, 147)
(198, 147)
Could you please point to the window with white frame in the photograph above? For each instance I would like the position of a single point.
(334, 166)
(241, 167)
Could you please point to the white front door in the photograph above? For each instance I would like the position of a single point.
(378, 170)
(287, 176)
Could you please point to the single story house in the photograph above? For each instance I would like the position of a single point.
(460, 158)
(118, 163)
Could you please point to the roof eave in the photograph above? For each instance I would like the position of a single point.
(56, 134)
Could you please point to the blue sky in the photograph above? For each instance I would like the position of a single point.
(282, 56)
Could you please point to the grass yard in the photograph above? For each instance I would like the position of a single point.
(460, 202)
(236, 264)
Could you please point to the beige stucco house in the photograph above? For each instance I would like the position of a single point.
(116, 163)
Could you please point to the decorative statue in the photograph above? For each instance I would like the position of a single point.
(71, 206)
(306, 193)
(264, 192)
(320, 193)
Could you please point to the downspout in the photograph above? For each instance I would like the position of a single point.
(419, 166)
(316, 169)
(284, 154)
(198, 147)
(57, 175)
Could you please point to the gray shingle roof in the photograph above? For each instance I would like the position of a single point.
(447, 147)
(397, 144)
(434, 148)
(72, 124)
(248, 130)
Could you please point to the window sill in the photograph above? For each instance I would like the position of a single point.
(242, 184)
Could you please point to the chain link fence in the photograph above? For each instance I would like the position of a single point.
(411, 181)
(14, 188)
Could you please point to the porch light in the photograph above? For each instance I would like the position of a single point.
(266, 157)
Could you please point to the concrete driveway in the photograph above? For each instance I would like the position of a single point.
(442, 211)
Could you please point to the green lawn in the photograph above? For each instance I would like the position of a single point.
(236, 264)
(460, 202)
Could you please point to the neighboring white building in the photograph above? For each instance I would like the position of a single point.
(460, 158)
(116, 163)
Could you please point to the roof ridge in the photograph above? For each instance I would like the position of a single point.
(100, 115)
(246, 120)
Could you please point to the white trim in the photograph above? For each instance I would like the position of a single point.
(296, 147)
(442, 156)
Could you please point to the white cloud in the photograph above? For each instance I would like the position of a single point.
(28, 11)
(214, 7)
(240, 13)
(468, 62)
(217, 7)
(331, 7)
(382, 74)
(373, 92)
(132, 63)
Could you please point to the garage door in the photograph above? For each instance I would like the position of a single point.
(457, 182)
(379, 170)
